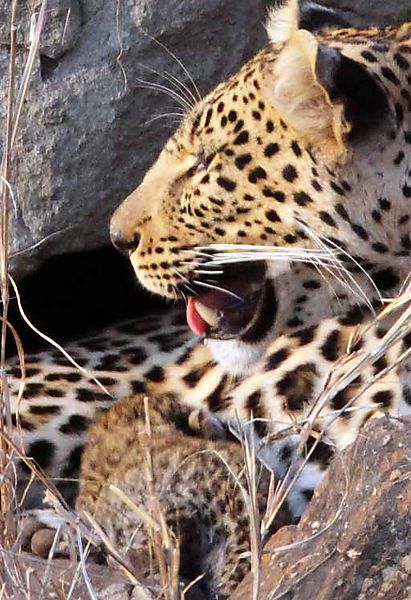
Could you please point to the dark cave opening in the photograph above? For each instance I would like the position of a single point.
(75, 294)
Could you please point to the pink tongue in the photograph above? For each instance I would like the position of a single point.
(194, 319)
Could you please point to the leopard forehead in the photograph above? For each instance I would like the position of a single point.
(255, 163)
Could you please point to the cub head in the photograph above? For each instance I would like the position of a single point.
(265, 192)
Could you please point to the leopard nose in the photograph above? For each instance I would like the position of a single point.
(125, 244)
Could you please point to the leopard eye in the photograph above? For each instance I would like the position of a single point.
(200, 163)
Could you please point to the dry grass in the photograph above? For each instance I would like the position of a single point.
(18, 575)
(24, 575)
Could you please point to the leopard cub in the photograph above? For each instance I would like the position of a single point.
(137, 464)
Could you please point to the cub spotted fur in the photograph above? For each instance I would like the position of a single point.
(280, 211)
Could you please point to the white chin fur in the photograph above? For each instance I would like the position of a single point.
(235, 356)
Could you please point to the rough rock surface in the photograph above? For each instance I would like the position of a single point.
(366, 551)
(31, 577)
(372, 12)
(84, 143)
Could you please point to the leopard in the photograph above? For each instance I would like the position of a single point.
(279, 211)
(137, 444)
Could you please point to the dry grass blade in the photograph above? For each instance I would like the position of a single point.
(286, 593)
(99, 533)
(120, 46)
(14, 109)
(22, 364)
(165, 545)
(396, 333)
(82, 567)
(7, 529)
(35, 33)
(321, 531)
(252, 504)
(147, 520)
(50, 340)
(49, 559)
(190, 585)
(43, 240)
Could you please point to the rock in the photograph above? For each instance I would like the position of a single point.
(27, 576)
(366, 551)
(85, 139)
(362, 13)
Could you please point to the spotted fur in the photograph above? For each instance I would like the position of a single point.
(210, 520)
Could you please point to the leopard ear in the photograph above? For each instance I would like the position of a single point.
(326, 97)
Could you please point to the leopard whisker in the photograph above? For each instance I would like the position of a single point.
(185, 91)
(357, 264)
(177, 60)
(158, 87)
(185, 281)
(197, 253)
(360, 292)
(321, 257)
(205, 272)
(318, 265)
(244, 253)
(218, 289)
(343, 282)
(185, 285)
(177, 117)
(183, 87)
(249, 257)
(328, 280)
(184, 297)
(251, 248)
(186, 262)
(190, 289)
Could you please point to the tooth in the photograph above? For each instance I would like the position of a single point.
(209, 315)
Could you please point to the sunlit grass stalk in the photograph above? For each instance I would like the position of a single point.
(13, 112)
(165, 545)
(253, 507)
(5, 421)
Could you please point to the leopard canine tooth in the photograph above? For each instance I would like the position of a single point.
(209, 315)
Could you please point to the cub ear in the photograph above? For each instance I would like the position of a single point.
(326, 97)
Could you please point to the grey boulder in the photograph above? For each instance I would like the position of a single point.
(90, 127)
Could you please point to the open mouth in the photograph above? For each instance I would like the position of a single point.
(235, 307)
